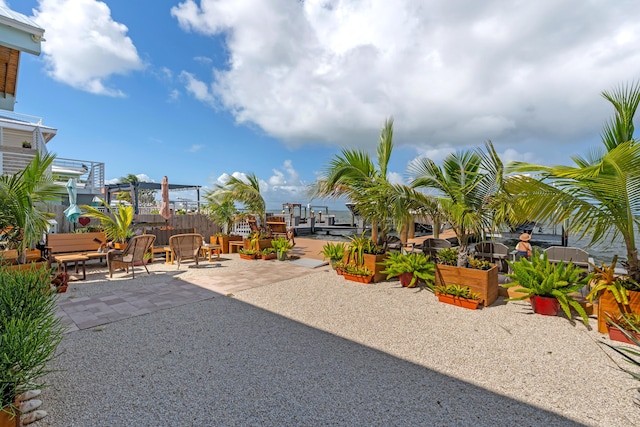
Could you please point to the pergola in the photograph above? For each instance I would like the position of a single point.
(134, 187)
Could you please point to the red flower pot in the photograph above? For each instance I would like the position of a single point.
(405, 279)
(356, 278)
(615, 334)
(547, 306)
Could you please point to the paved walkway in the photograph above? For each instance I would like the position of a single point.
(85, 312)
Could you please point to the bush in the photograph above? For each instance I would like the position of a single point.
(29, 331)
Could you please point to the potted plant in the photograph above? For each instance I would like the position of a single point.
(60, 282)
(357, 273)
(334, 252)
(363, 252)
(268, 253)
(115, 222)
(282, 246)
(339, 267)
(548, 285)
(30, 332)
(247, 253)
(409, 268)
(624, 328)
(26, 144)
(475, 275)
(614, 293)
(459, 295)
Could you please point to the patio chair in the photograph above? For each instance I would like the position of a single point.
(494, 252)
(133, 253)
(579, 257)
(432, 246)
(186, 246)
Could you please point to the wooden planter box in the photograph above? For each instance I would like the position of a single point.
(483, 282)
(223, 241)
(27, 266)
(371, 262)
(607, 304)
(247, 256)
(471, 304)
(265, 243)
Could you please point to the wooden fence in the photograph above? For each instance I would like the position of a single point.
(202, 224)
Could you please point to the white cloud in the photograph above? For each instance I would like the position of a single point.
(84, 45)
(195, 148)
(453, 73)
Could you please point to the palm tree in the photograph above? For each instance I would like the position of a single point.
(22, 198)
(354, 175)
(246, 192)
(600, 195)
(115, 222)
(221, 211)
(471, 193)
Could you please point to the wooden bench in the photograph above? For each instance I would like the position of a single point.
(83, 244)
(161, 244)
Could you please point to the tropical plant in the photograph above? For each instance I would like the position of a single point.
(357, 270)
(244, 190)
(30, 332)
(221, 211)
(354, 175)
(417, 264)
(360, 245)
(334, 251)
(626, 321)
(447, 256)
(247, 251)
(23, 195)
(598, 196)
(541, 277)
(115, 222)
(281, 245)
(456, 290)
(479, 264)
(606, 279)
(145, 195)
(472, 198)
(268, 251)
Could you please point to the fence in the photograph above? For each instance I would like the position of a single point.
(201, 223)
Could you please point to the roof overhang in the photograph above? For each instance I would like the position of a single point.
(19, 32)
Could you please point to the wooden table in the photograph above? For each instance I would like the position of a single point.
(168, 255)
(235, 245)
(63, 260)
(209, 249)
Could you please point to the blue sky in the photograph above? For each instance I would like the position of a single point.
(196, 90)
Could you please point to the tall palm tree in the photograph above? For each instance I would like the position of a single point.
(354, 175)
(245, 192)
(600, 195)
(470, 192)
(22, 201)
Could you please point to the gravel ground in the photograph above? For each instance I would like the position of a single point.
(319, 350)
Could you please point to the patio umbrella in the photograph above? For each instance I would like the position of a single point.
(164, 209)
(73, 211)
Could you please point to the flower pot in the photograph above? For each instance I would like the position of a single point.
(483, 282)
(471, 304)
(615, 334)
(9, 420)
(269, 256)
(405, 279)
(356, 278)
(547, 306)
(282, 255)
(248, 256)
(339, 271)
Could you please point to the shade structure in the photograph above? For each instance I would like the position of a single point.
(164, 208)
(73, 211)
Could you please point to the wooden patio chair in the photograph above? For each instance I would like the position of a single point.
(137, 247)
(186, 246)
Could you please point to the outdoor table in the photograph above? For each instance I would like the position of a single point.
(234, 246)
(208, 249)
(63, 260)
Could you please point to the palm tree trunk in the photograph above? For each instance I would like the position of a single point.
(374, 231)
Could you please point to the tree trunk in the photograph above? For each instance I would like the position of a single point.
(374, 231)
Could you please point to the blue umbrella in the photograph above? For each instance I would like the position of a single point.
(73, 211)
